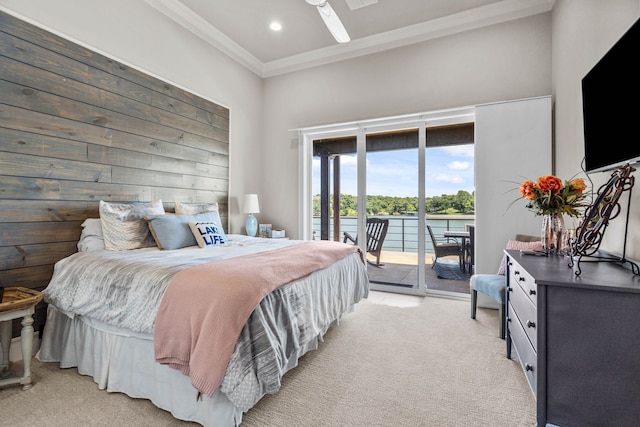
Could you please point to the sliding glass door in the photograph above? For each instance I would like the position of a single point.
(358, 173)
(392, 195)
(449, 206)
(368, 183)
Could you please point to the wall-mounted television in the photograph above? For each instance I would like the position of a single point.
(611, 106)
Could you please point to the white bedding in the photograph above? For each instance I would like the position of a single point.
(113, 341)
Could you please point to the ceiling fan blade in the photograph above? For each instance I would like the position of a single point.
(333, 23)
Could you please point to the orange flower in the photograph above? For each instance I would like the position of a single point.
(550, 183)
(550, 195)
(578, 185)
(526, 189)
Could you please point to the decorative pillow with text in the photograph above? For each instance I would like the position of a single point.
(208, 234)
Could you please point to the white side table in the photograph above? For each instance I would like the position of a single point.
(18, 303)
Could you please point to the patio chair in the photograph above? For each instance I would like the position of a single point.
(376, 232)
(469, 248)
(445, 248)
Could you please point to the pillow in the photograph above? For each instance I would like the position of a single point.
(91, 237)
(195, 208)
(208, 233)
(124, 227)
(515, 244)
(173, 231)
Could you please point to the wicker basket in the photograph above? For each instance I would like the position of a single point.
(18, 298)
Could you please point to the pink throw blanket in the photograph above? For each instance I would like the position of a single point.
(205, 307)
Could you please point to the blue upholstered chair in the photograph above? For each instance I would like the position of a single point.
(494, 285)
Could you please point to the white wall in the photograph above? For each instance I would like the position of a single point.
(501, 62)
(519, 131)
(583, 31)
(136, 34)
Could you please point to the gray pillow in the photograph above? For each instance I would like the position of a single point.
(195, 208)
(123, 226)
(173, 231)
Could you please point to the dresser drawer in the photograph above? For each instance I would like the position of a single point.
(520, 276)
(526, 353)
(521, 305)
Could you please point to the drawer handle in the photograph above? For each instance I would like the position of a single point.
(532, 291)
(522, 279)
(517, 273)
(531, 324)
(509, 289)
(528, 367)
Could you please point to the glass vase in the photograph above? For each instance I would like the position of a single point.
(552, 232)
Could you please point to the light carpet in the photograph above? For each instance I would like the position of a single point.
(429, 365)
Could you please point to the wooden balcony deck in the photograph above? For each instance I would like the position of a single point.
(400, 269)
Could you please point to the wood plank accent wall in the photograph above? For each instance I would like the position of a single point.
(77, 127)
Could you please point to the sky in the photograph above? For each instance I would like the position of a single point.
(395, 173)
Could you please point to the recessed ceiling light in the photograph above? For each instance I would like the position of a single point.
(275, 26)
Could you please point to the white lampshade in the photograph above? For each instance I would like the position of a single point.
(250, 204)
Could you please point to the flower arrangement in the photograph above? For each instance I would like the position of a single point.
(549, 195)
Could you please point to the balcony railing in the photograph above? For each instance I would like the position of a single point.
(402, 235)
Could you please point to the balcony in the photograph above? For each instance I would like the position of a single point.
(400, 251)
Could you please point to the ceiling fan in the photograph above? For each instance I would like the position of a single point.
(331, 20)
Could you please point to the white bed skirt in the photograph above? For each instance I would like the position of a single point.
(123, 361)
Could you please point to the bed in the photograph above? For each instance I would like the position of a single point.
(125, 316)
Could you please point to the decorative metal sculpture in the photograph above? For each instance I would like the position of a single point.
(596, 219)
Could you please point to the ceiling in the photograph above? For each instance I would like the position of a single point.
(240, 28)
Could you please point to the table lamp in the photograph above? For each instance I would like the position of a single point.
(251, 206)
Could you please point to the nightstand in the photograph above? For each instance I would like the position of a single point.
(274, 238)
(18, 303)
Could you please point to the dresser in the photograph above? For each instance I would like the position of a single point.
(577, 339)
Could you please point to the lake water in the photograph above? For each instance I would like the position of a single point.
(402, 235)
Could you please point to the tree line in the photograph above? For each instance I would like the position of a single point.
(447, 204)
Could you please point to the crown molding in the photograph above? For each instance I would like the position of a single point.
(181, 14)
(498, 12)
